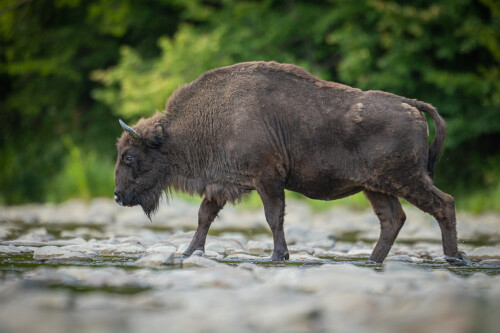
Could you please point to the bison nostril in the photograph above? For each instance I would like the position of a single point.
(118, 199)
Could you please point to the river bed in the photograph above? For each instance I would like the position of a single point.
(96, 266)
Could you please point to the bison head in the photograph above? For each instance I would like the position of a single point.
(140, 172)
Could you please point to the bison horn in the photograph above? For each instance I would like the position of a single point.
(130, 130)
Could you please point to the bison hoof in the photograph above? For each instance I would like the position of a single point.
(277, 256)
(461, 260)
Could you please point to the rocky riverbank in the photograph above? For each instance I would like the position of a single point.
(97, 266)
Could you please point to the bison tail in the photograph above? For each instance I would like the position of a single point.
(440, 135)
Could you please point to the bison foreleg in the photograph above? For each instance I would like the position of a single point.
(273, 198)
(206, 214)
(391, 216)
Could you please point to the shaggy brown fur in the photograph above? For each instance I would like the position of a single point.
(269, 127)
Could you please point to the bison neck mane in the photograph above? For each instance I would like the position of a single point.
(204, 184)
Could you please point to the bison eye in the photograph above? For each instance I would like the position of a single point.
(129, 159)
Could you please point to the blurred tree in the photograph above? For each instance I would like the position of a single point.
(137, 53)
(47, 50)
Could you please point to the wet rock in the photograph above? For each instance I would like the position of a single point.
(85, 276)
(254, 269)
(106, 249)
(485, 252)
(132, 216)
(182, 248)
(6, 251)
(300, 249)
(82, 232)
(235, 219)
(37, 235)
(123, 249)
(215, 247)
(47, 252)
(161, 249)
(359, 253)
(55, 253)
(73, 256)
(320, 253)
(417, 260)
(310, 237)
(57, 242)
(245, 256)
(199, 261)
(234, 237)
(230, 245)
(259, 246)
(213, 254)
(399, 258)
(199, 253)
(303, 256)
(156, 259)
(492, 262)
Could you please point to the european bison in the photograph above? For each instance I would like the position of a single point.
(268, 127)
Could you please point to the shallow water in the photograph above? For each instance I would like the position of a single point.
(17, 265)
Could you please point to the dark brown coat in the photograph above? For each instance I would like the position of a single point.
(268, 127)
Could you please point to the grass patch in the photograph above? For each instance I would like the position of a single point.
(487, 200)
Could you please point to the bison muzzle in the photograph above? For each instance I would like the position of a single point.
(268, 127)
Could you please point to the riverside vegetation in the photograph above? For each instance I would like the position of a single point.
(70, 68)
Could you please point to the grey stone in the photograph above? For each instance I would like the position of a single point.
(161, 249)
(303, 256)
(47, 252)
(199, 261)
(182, 248)
(259, 246)
(156, 259)
(216, 247)
(72, 256)
(492, 262)
(399, 258)
(311, 237)
(485, 252)
(213, 254)
(199, 253)
(9, 250)
(55, 253)
(300, 249)
(245, 256)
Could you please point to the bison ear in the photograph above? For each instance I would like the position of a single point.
(157, 137)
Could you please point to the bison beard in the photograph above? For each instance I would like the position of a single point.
(268, 127)
(150, 202)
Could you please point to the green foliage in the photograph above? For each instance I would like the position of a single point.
(68, 68)
(84, 175)
(136, 86)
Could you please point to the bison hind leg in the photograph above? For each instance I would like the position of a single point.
(392, 217)
(427, 197)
